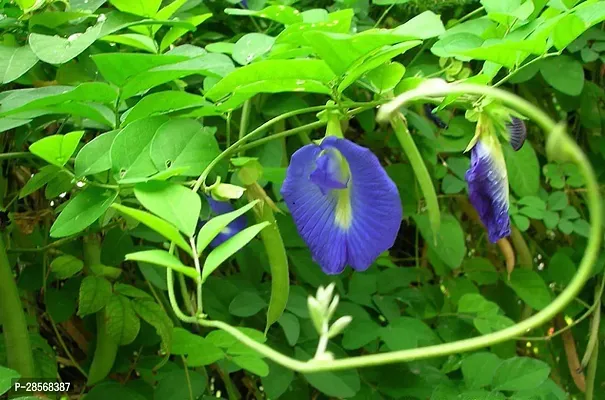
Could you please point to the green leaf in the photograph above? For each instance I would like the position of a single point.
(478, 369)
(340, 51)
(530, 287)
(122, 322)
(61, 302)
(82, 211)
(480, 270)
(581, 227)
(162, 227)
(184, 143)
(251, 46)
(487, 324)
(567, 30)
(282, 14)
(164, 259)
(154, 315)
(533, 202)
(66, 266)
(95, 293)
(521, 221)
(230, 247)
(199, 351)
(360, 67)
(145, 8)
(176, 31)
(557, 201)
(278, 380)
(571, 82)
(274, 76)
(561, 269)
(178, 384)
(163, 103)
(341, 384)
(384, 78)
(523, 170)
(520, 373)
(246, 304)
(590, 12)
(565, 226)
(551, 219)
(130, 157)
(408, 333)
(54, 19)
(94, 157)
(172, 202)
(360, 334)
(135, 40)
(58, 50)
(291, 326)
(7, 376)
(57, 149)
(531, 212)
(213, 227)
(253, 364)
(448, 243)
(337, 21)
(129, 291)
(120, 68)
(423, 26)
(17, 101)
(136, 73)
(15, 61)
(44, 176)
(452, 184)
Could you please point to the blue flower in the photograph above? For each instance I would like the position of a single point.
(344, 205)
(488, 186)
(224, 207)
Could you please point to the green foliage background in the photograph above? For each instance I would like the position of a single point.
(110, 111)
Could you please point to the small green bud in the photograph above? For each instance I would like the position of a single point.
(226, 191)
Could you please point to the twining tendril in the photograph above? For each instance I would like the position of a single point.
(566, 150)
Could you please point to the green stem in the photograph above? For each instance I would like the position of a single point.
(592, 372)
(243, 122)
(185, 294)
(10, 156)
(16, 336)
(516, 71)
(566, 147)
(422, 174)
(289, 132)
(239, 144)
(198, 268)
(594, 329)
(173, 303)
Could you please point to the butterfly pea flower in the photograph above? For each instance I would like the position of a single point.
(487, 181)
(344, 205)
(236, 226)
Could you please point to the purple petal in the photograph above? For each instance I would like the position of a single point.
(239, 224)
(488, 188)
(342, 226)
(328, 173)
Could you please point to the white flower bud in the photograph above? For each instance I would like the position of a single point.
(339, 325)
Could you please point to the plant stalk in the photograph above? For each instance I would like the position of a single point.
(16, 336)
